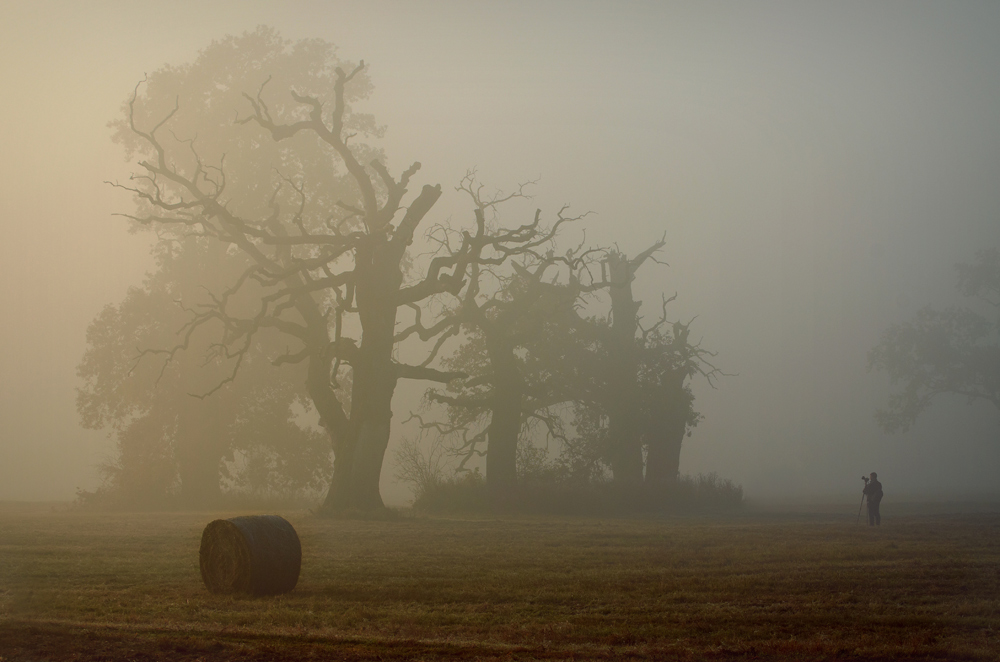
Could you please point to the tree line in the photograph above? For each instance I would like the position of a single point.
(294, 271)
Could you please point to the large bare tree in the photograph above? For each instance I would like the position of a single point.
(325, 226)
(322, 222)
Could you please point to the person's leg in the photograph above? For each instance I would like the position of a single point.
(878, 516)
(871, 514)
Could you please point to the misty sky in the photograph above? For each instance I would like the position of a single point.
(817, 169)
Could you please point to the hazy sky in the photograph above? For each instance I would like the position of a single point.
(817, 169)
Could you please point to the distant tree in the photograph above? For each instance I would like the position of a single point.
(169, 443)
(621, 401)
(530, 356)
(668, 362)
(955, 350)
(504, 395)
(632, 387)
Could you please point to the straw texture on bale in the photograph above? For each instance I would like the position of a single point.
(256, 555)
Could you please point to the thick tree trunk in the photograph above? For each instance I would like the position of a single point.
(373, 440)
(360, 446)
(663, 457)
(379, 278)
(664, 440)
(623, 433)
(360, 449)
(359, 439)
(331, 411)
(505, 424)
(362, 439)
(338, 496)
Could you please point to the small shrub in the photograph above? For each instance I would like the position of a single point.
(464, 493)
(549, 488)
(701, 492)
(421, 470)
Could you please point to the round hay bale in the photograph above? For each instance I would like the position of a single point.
(257, 555)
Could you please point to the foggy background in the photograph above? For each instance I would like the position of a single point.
(817, 169)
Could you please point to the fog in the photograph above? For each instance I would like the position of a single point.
(817, 171)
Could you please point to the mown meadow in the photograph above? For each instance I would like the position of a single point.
(79, 585)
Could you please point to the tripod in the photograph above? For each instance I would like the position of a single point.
(859, 510)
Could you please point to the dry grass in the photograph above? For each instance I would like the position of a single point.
(90, 586)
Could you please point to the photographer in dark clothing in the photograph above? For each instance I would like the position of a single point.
(873, 492)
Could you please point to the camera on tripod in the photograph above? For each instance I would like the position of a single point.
(866, 479)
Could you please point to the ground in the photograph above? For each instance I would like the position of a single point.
(757, 585)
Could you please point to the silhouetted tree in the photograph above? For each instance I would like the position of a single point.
(504, 395)
(323, 244)
(955, 350)
(529, 354)
(498, 399)
(667, 415)
(621, 397)
(633, 399)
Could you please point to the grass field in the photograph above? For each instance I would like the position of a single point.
(91, 586)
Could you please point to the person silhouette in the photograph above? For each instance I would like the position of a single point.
(873, 492)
